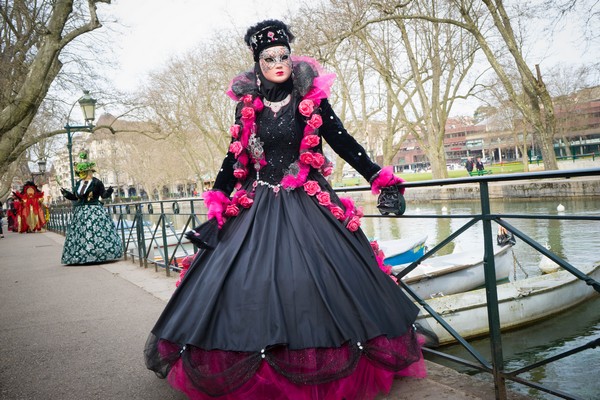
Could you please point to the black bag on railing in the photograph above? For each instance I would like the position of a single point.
(390, 201)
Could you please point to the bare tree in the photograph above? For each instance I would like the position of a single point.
(492, 27)
(33, 35)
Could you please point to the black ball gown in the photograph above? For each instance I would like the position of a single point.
(291, 303)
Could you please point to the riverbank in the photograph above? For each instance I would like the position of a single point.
(531, 189)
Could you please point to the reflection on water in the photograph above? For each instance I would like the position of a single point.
(575, 241)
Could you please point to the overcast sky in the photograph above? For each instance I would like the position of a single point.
(155, 30)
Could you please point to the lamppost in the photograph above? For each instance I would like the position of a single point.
(88, 107)
(42, 170)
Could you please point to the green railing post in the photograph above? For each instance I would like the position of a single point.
(489, 269)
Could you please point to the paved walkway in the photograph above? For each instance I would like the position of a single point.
(78, 332)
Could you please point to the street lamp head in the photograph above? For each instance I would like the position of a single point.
(88, 107)
(42, 165)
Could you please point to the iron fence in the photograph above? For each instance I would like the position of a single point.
(153, 233)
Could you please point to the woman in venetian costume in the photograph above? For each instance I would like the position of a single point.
(292, 302)
(91, 235)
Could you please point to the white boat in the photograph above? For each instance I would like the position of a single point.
(454, 273)
(400, 251)
(520, 303)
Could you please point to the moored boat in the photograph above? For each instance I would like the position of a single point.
(400, 251)
(455, 273)
(520, 303)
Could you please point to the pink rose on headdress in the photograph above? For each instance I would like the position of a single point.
(324, 199)
(318, 160)
(306, 157)
(311, 188)
(271, 35)
(245, 201)
(236, 148)
(240, 173)
(247, 113)
(311, 140)
(353, 224)
(337, 212)
(247, 99)
(235, 130)
(315, 121)
(306, 107)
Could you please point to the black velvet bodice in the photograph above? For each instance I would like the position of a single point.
(280, 141)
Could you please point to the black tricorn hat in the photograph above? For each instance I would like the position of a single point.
(268, 33)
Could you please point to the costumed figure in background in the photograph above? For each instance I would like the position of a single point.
(292, 302)
(30, 208)
(91, 235)
(11, 215)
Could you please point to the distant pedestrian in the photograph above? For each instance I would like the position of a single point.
(479, 164)
(1, 217)
(469, 164)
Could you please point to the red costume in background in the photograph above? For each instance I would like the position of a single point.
(29, 209)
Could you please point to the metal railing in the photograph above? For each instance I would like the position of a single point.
(147, 227)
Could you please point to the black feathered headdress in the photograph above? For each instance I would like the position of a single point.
(266, 34)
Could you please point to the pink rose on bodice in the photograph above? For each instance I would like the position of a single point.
(247, 113)
(318, 160)
(235, 130)
(306, 107)
(315, 121)
(236, 148)
(311, 140)
(240, 173)
(306, 157)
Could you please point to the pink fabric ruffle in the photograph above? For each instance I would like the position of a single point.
(371, 373)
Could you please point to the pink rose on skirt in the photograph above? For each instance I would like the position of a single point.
(245, 201)
(312, 187)
(337, 212)
(324, 199)
(353, 224)
(232, 210)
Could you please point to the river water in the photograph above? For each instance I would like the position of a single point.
(578, 242)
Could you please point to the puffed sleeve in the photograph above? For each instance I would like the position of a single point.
(344, 144)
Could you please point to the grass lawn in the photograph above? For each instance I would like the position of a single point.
(508, 168)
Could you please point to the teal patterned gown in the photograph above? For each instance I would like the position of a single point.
(91, 235)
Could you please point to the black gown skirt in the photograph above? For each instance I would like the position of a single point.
(289, 295)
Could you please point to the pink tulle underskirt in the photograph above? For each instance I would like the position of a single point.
(365, 382)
